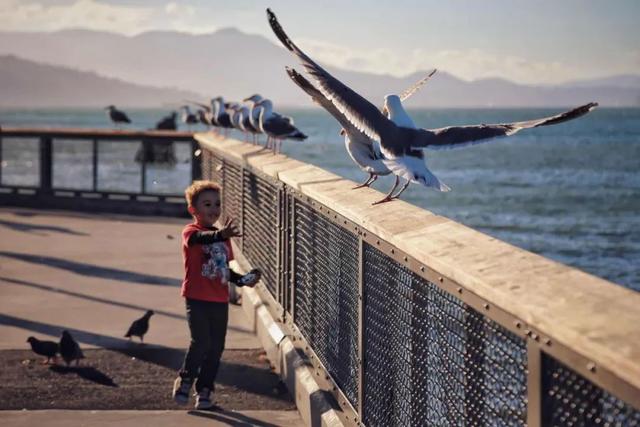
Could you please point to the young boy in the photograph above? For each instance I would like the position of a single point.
(206, 252)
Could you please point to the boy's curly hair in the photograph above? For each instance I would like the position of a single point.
(196, 188)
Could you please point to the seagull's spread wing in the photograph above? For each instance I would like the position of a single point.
(413, 89)
(360, 146)
(458, 136)
(304, 84)
(360, 112)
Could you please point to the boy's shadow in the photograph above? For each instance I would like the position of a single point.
(86, 372)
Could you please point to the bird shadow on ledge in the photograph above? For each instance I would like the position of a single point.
(85, 372)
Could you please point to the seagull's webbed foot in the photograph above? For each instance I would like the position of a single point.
(389, 195)
(387, 198)
(368, 182)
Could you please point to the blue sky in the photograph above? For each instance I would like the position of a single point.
(536, 41)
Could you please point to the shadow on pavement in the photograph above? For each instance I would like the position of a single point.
(34, 228)
(103, 300)
(234, 419)
(87, 372)
(94, 270)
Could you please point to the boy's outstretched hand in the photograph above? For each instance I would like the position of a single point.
(229, 229)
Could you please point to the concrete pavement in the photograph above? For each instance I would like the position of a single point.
(93, 274)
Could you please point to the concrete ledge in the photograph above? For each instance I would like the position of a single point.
(315, 405)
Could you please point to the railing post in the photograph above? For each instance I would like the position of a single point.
(46, 167)
(242, 237)
(95, 164)
(292, 259)
(534, 382)
(143, 165)
(361, 326)
(196, 163)
(0, 160)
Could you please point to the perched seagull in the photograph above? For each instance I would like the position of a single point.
(69, 349)
(254, 109)
(205, 113)
(276, 126)
(116, 115)
(201, 115)
(246, 124)
(360, 147)
(401, 141)
(187, 117)
(220, 114)
(168, 122)
(44, 348)
(234, 114)
(254, 114)
(140, 326)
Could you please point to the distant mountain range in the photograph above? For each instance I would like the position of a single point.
(30, 84)
(91, 68)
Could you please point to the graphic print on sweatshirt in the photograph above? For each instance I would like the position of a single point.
(215, 263)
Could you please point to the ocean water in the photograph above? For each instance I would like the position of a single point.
(569, 192)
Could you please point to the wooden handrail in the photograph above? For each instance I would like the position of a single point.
(86, 133)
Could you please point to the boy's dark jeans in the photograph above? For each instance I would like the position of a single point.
(208, 325)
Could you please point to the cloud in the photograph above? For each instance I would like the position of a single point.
(17, 15)
(468, 64)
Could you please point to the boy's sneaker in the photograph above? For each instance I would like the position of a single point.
(181, 389)
(203, 401)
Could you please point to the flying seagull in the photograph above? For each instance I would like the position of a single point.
(44, 348)
(69, 349)
(140, 326)
(359, 146)
(401, 141)
(116, 115)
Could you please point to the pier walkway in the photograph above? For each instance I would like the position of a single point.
(94, 274)
(390, 316)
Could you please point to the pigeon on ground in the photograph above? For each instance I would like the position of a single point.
(69, 349)
(44, 348)
(140, 327)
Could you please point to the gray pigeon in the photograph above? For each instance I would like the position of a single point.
(69, 349)
(139, 327)
(44, 348)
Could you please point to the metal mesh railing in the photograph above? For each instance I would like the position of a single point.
(261, 228)
(212, 167)
(429, 357)
(432, 360)
(232, 192)
(326, 294)
(569, 399)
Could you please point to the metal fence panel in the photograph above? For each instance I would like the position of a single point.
(432, 360)
(260, 227)
(569, 399)
(326, 294)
